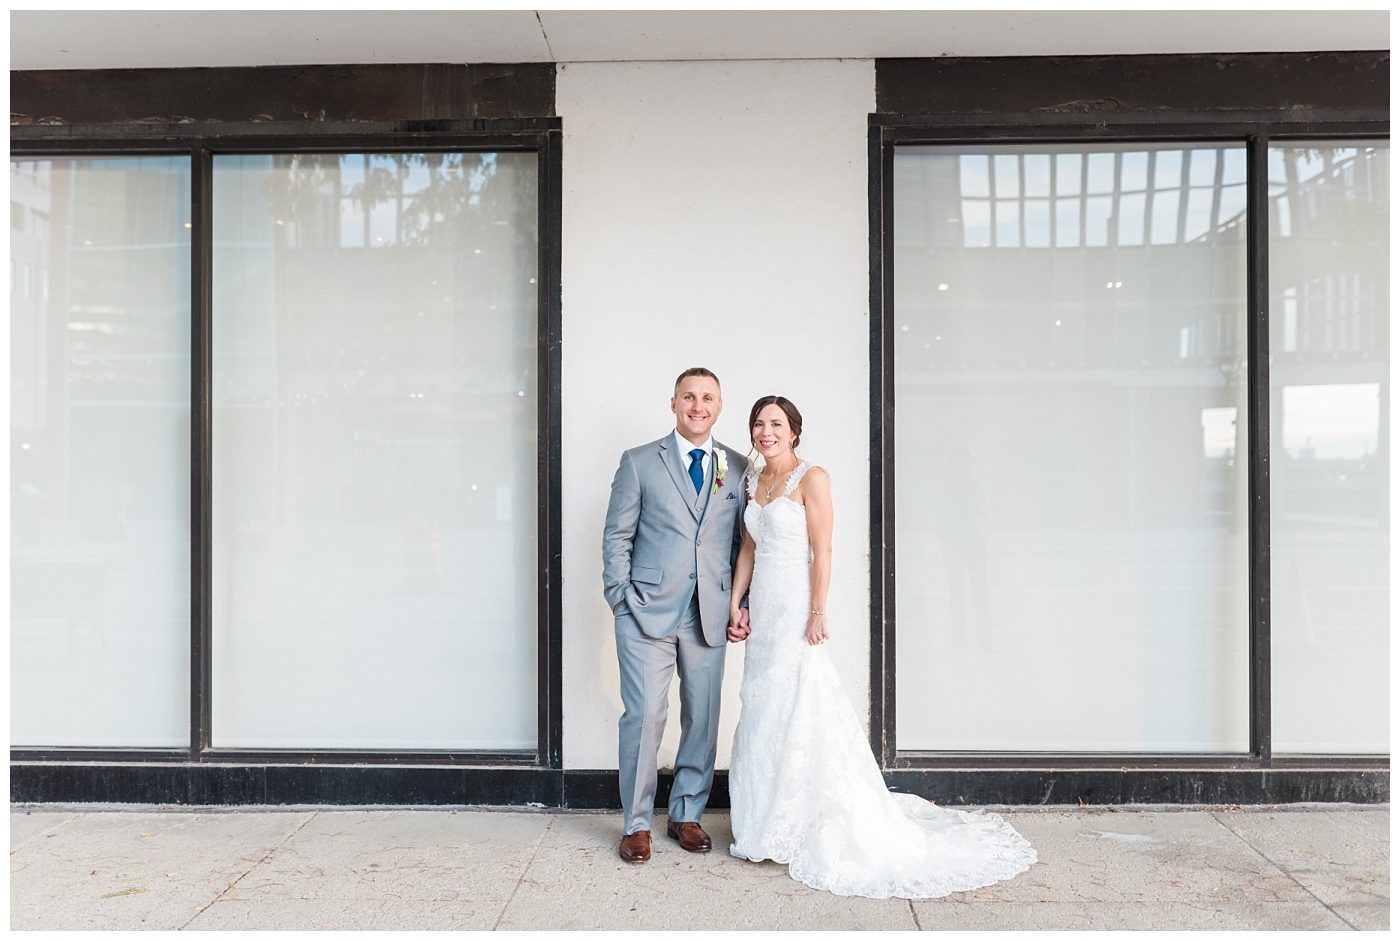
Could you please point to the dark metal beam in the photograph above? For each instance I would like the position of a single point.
(549, 473)
(1114, 85)
(307, 94)
(1257, 430)
(201, 470)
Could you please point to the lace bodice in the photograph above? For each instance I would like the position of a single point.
(779, 528)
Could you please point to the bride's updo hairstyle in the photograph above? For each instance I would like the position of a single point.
(794, 417)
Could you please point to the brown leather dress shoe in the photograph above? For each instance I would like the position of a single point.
(691, 838)
(635, 847)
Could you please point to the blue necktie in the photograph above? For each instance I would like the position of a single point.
(697, 470)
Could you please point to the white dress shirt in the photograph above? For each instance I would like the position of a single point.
(686, 447)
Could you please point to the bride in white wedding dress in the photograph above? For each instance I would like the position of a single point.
(804, 788)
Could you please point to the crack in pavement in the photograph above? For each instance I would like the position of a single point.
(256, 863)
(1262, 855)
(14, 848)
(42, 833)
(523, 873)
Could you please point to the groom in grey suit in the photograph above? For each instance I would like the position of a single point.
(672, 534)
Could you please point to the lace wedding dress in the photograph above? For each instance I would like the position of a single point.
(804, 788)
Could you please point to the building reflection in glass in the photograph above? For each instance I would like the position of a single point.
(375, 395)
(1329, 334)
(1069, 388)
(99, 445)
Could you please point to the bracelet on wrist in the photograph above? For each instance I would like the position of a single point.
(822, 613)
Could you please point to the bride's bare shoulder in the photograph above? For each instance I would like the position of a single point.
(815, 479)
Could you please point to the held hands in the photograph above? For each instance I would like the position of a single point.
(738, 629)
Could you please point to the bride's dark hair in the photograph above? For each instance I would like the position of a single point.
(794, 417)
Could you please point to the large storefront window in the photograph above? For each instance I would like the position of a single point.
(375, 400)
(285, 435)
(1070, 481)
(99, 452)
(1329, 334)
(1074, 467)
(337, 549)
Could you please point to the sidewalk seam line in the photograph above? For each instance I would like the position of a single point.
(1293, 878)
(917, 926)
(265, 857)
(523, 873)
(43, 833)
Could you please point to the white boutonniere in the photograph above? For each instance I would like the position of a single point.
(721, 468)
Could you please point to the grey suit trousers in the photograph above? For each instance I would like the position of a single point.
(646, 665)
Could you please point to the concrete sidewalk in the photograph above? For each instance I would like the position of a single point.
(1321, 867)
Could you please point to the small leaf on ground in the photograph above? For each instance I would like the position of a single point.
(112, 895)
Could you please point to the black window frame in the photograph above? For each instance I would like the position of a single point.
(974, 111)
(474, 774)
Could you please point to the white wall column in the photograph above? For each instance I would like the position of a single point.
(715, 214)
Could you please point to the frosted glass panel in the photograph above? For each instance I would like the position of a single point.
(375, 402)
(1329, 383)
(99, 444)
(1070, 472)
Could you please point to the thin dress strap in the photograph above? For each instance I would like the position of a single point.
(751, 482)
(795, 477)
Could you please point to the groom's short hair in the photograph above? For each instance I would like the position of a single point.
(694, 371)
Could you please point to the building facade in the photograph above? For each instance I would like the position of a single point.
(319, 375)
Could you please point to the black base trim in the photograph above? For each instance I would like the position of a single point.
(211, 784)
(341, 785)
(597, 790)
(1133, 786)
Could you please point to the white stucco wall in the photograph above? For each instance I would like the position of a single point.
(716, 214)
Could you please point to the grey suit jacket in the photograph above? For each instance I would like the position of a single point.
(662, 543)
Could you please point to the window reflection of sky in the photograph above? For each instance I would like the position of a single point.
(1037, 174)
(1218, 431)
(1290, 168)
(1067, 174)
(1336, 422)
(390, 183)
(1047, 199)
